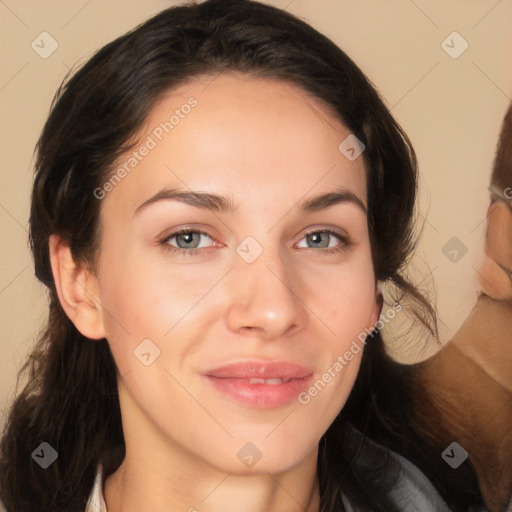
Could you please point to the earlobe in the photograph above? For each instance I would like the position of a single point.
(77, 290)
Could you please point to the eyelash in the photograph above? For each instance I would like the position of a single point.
(343, 247)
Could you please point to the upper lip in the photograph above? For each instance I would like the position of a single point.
(260, 369)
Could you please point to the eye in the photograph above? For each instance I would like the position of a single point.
(185, 241)
(326, 239)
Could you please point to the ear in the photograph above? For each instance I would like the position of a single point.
(77, 289)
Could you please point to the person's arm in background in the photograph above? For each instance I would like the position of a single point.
(464, 392)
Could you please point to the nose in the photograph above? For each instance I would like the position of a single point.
(265, 299)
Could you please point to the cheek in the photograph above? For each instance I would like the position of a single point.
(130, 299)
(348, 301)
(327, 395)
(143, 301)
(134, 292)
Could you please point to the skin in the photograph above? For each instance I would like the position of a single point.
(269, 146)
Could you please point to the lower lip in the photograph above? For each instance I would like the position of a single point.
(261, 395)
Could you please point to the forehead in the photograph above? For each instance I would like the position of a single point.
(239, 135)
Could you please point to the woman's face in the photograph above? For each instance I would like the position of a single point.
(230, 333)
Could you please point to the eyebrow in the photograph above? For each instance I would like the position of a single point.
(226, 204)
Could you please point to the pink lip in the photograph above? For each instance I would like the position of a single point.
(234, 380)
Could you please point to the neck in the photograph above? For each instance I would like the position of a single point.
(130, 490)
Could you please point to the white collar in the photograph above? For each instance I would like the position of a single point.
(96, 501)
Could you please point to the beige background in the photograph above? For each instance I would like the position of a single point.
(451, 108)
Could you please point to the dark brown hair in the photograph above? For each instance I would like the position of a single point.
(501, 179)
(70, 400)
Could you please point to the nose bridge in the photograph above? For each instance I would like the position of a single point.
(264, 295)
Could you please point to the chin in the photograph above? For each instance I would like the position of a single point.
(263, 458)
